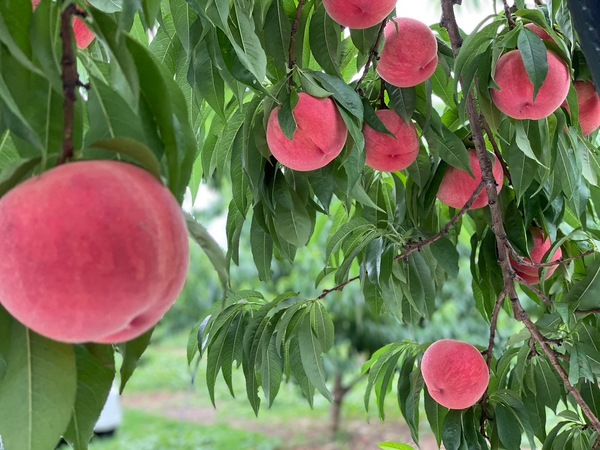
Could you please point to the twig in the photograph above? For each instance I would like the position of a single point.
(508, 274)
(444, 231)
(292, 48)
(372, 56)
(535, 290)
(339, 287)
(509, 18)
(490, 136)
(560, 261)
(70, 79)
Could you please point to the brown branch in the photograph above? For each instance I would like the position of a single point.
(372, 56)
(509, 18)
(535, 290)
(292, 48)
(508, 274)
(444, 231)
(70, 79)
(339, 287)
(492, 140)
(558, 262)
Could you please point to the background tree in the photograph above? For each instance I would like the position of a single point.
(207, 91)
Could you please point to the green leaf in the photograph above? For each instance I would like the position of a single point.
(211, 248)
(37, 392)
(394, 446)
(137, 151)
(324, 39)
(342, 93)
(131, 352)
(15, 173)
(204, 76)
(95, 375)
(535, 57)
(446, 254)
(261, 244)
(509, 428)
(585, 294)
(311, 351)
(403, 101)
(452, 430)
(452, 150)
(277, 34)
(436, 414)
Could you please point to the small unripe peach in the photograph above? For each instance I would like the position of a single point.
(455, 373)
(541, 246)
(391, 153)
(409, 55)
(515, 97)
(359, 14)
(93, 251)
(589, 106)
(319, 137)
(458, 186)
(83, 35)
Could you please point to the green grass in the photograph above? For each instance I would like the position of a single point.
(143, 431)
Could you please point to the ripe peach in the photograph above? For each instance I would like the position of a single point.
(589, 106)
(93, 251)
(83, 35)
(319, 137)
(458, 186)
(541, 245)
(515, 97)
(543, 34)
(359, 14)
(391, 153)
(409, 55)
(455, 373)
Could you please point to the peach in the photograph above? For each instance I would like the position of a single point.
(543, 34)
(541, 246)
(93, 251)
(319, 138)
(589, 106)
(409, 55)
(391, 153)
(83, 35)
(359, 14)
(458, 186)
(515, 97)
(455, 373)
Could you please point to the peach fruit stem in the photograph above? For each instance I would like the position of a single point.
(372, 56)
(449, 22)
(70, 80)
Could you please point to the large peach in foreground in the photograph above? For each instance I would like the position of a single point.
(409, 55)
(515, 96)
(93, 251)
(457, 186)
(541, 246)
(589, 106)
(83, 35)
(391, 153)
(319, 137)
(359, 14)
(455, 373)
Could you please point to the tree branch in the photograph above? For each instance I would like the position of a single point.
(372, 56)
(509, 18)
(70, 80)
(503, 246)
(292, 48)
(444, 231)
(492, 140)
(558, 262)
(339, 287)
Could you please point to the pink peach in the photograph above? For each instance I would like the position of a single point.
(589, 106)
(455, 373)
(541, 246)
(93, 251)
(391, 153)
(409, 55)
(515, 96)
(83, 35)
(359, 14)
(319, 138)
(458, 186)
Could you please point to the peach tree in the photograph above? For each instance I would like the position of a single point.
(408, 145)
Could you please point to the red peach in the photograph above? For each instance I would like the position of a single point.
(455, 373)
(359, 14)
(515, 97)
(319, 137)
(391, 153)
(93, 251)
(83, 35)
(589, 106)
(541, 246)
(458, 186)
(409, 55)
(543, 34)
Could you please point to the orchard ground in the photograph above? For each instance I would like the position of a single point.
(161, 408)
